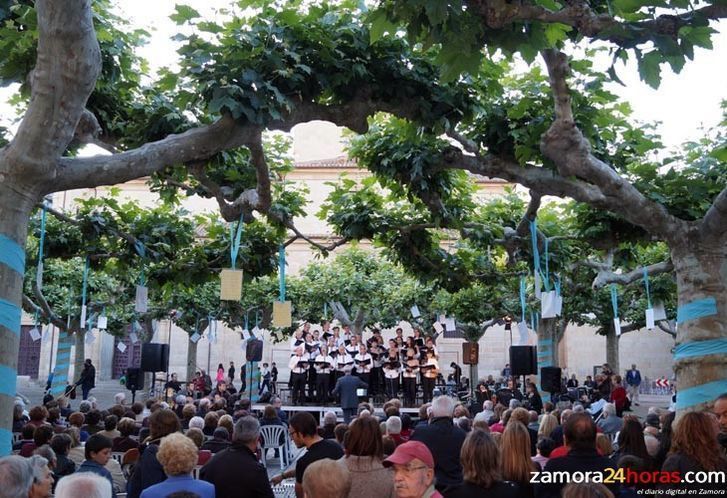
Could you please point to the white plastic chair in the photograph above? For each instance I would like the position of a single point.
(195, 471)
(118, 456)
(275, 437)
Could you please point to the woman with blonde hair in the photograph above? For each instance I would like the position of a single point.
(178, 456)
(603, 444)
(547, 423)
(516, 464)
(480, 458)
(364, 453)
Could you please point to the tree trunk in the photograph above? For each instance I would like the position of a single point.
(15, 206)
(79, 341)
(546, 342)
(701, 273)
(191, 359)
(612, 354)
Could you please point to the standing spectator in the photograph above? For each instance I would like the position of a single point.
(231, 373)
(178, 456)
(413, 466)
(98, 452)
(618, 395)
(220, 377)
(326, 478)
(85, 484)
(445, 441)
(534, 399)
(346, 387)
(148, 471)
(579, 434)
(481, 470)
(16, 476)
(507, 371)
(633, 381)
(87, 381)
(364, 448)
(304, 432)
(235, 472)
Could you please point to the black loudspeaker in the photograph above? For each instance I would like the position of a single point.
(155, 357)
(550, 379)
(254, 350)
(523, 360)
(134, 379)
(470, 353)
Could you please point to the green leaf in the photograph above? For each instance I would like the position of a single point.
(720, 153)
(379, 25)
(649, 69)
(556, 32)
(701, 36)
(183, 14)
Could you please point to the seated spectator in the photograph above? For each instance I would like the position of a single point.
(487, 411)
(480, 423)
(42, 485)
(326, 478)
(110, 430)
(76, 454)
(587, 490)
(227, 422)
(196, 436)
(633, 464)
(548, 423)
(84, 484)
(178, 456)
(220, 441)
(480, 459)
(47, 452)
(393, 429)
(329, 424)
(389, 445)
(545, 446)
(651, 434)
(61, 444)
(76, 419)
(188, 412)
(516, 464)
(124, 442)
(41, 435)
(93, 422)
(413, 466)
(340, 432)
(16, 476)
(38, 416)
(270, 416)
(406, 429)
(610, 423)
(196, 422)
(604, 445)
(579, 433)
(630, 441)
(54, 419)
(98, 453)
(26, 437)
(19, 417)
(210, 423)
(235, 472)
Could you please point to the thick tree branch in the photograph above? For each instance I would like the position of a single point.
(67, 65)
(30, 307)
(605, 276)
(665, 326)
(325, 249)
(577, 13)
(566, 146)
(714, 223)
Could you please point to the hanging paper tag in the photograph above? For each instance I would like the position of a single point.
(659, 312)
(538, 286)
(415, 311)
(650, 318)
(142, 297)
(90, 337)
(548, 304)
(195, 337)
(255, 331)
(230, 285)
(442, 319)
(617, 326)
(121, 347)
(245, 334)
(83, 317)
(558, 305)
(438, 327)
(449, 325)
(133, 338)
(47, 335)
(282, 314)
(102, 322)
(34, 333)
(522, 327)
(243, 345)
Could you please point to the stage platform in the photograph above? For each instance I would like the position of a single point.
(321, 410)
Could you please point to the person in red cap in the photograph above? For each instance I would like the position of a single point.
(413, 466)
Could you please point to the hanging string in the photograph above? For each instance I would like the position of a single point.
(534, 240)
(41, 244)
(522, 297)
(547, 271)
(258, 317)
(281, 271)
(235, 240)
(84, 289)
(325, 311)
(614, 300)
(533, 321)
(557, 285)
(646, 284)
(247, 321)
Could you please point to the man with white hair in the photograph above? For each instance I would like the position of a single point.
(610, 423)
(84, 484)
(488, 412)
(120, 398)
(16, 477)
(444, 440)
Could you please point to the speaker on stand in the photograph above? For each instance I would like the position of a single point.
(253, 354)
(523, 361)
(134, 381)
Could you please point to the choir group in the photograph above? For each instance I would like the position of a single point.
(319, 357)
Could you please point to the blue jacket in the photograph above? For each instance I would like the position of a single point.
(633, 378)
(91, 466)
(346, 387)
(180, 483)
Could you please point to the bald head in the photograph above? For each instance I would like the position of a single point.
(579, 432)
